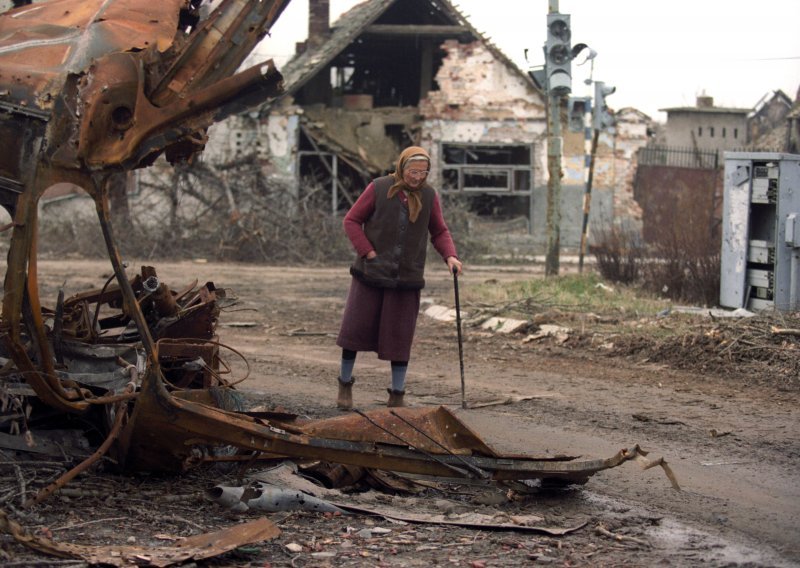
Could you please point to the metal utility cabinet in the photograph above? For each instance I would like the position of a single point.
(761, 231)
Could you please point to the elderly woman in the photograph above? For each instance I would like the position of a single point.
(388, 226)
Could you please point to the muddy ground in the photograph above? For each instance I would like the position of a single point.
(729, 432)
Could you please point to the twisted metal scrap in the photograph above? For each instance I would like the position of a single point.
(93, 87)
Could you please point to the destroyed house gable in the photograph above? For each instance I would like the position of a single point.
(388, 49)
(768, 123)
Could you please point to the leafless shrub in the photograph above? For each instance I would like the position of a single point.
(228, 213)
(471, 241)
(687, 256)
(681, 260)
(685, 263)
(619, 252)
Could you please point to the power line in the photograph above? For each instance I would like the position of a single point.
(772, 58)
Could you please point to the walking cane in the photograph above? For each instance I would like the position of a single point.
(460, 342)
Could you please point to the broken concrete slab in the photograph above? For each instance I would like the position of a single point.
(503, 325)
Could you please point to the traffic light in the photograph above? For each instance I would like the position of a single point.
(577, 109)
(601, 118)
(558, 55)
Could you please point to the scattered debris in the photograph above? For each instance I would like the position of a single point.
(263, 497)
(714, 433)
(559, 333)
(441, 313)
(745, 346)
(301, 332)
(468, 520)
(196, 547)
(666, 421)
(714, 313)
(509, 400)
(600, 529)
(503, 325)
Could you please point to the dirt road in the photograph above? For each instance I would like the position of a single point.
(734, 449)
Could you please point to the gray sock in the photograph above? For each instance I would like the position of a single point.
(399, 377)
(346, 372)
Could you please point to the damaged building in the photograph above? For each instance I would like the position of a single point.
(389, 74)
(385, 75)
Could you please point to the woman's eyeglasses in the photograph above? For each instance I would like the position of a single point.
(417, 173)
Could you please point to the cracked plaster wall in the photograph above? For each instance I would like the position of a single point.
(475, 85)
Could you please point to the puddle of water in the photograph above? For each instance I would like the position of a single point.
(683, 540)
(710, 548)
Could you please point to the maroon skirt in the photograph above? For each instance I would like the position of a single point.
(379, 319)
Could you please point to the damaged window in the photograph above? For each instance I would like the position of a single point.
(479, 168)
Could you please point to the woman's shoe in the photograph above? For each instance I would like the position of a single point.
(344, 400)
(395, 398)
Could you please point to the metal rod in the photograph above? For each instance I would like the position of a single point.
(460, 341)
(460, 471)
(471, 467)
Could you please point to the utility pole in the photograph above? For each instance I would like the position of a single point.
(601, 120)
(587, 201)
(558, 72)
(554, 150)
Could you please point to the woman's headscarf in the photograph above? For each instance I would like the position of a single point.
(412, 153)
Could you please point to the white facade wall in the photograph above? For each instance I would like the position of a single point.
(687, 129)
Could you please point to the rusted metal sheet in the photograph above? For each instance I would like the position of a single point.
(169, 433)
(41, 44)
(197, 547)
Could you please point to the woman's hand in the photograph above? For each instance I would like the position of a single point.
(371, 254)
(454, 265)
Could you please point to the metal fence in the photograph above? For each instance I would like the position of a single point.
(677, 157)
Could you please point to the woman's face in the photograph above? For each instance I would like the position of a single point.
(415, 173)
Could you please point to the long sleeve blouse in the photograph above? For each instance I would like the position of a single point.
(363, 208)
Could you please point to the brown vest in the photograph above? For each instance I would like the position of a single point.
(401, 245)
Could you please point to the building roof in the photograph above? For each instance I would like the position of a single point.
(632, 113)
(707, 110)
(777, 95)
(301, 68)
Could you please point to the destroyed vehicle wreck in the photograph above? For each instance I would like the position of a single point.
(92, 88)
(173, 415)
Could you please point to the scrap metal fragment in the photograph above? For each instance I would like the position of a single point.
(84, 465)
(265, 497)
(165, 430)
(473, 521)
(198, 547)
